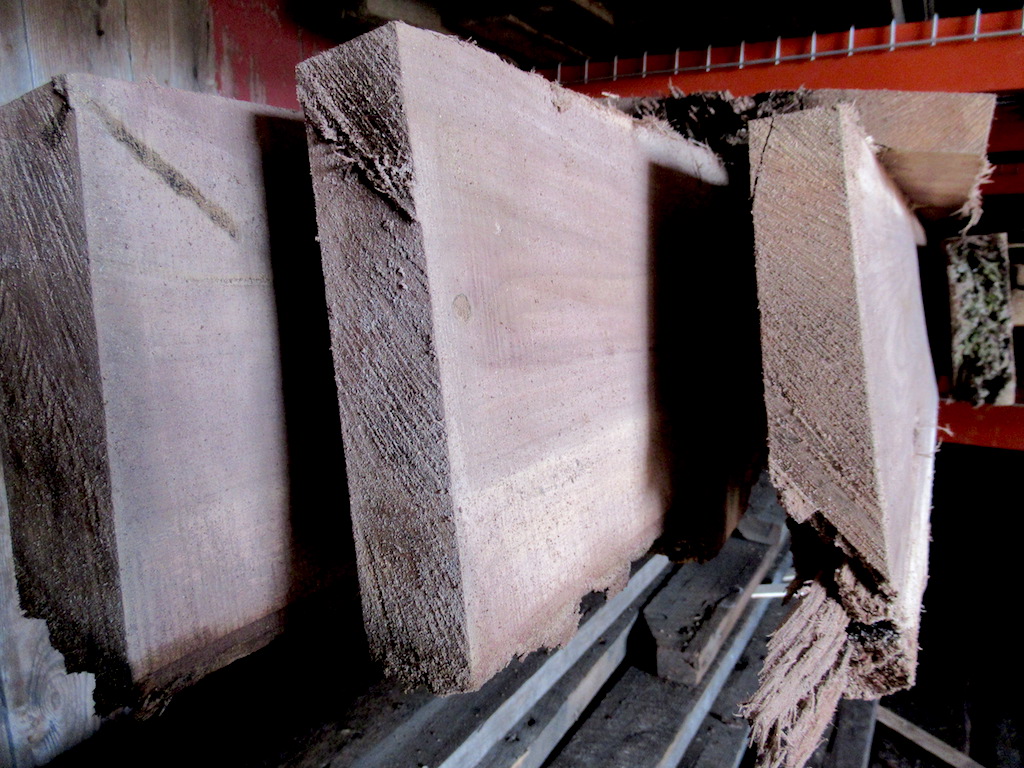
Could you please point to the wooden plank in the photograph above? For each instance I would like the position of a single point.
(925, 740)
(156, 524)
(932, 144)
(90, 36)
(485, 249)
(43, 710)
(852, 408)
(850, 745)
(645, 721)
(978, 270)
(860, 451)
(722, 742)
(170, 43)
(694, 614)
(15, 61)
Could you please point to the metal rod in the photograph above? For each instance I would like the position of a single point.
(586, 71)
(814, 45)
(743, 45)
(892, 35)
(675, 69)
(643, 68)
(849, 46)
(935, 28)
(615, 68)
(707, 65)
(977, 24)
(558, 74)
(778, 50)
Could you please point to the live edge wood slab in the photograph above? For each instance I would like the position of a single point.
(488, 250)
(852, 408)
(156, 249)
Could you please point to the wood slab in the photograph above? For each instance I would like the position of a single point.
(978, 270)
(932, 144)
(157, 269)
(691, 617)
(488, 257)
(852, 407)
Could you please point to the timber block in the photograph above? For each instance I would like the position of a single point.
(852, 409)
(487, 250)
(159, 264)
(694, 613)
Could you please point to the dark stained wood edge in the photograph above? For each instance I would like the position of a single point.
(52, 426)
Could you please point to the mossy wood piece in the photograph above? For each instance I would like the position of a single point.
(978, 268)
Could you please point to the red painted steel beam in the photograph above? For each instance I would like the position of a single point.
(990, 426)
(992, 64)
(1007, 179)
(257, 45)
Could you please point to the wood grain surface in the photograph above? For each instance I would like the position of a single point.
(932, 144)
(487, 256)
(165, 510)
(852, 408)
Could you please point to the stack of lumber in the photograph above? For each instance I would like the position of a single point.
(498, 257)
(157, 254)
(489, 261)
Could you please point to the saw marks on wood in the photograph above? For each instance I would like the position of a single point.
(852, 405)
(487, 248)
(154, 492)
(932, 144)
